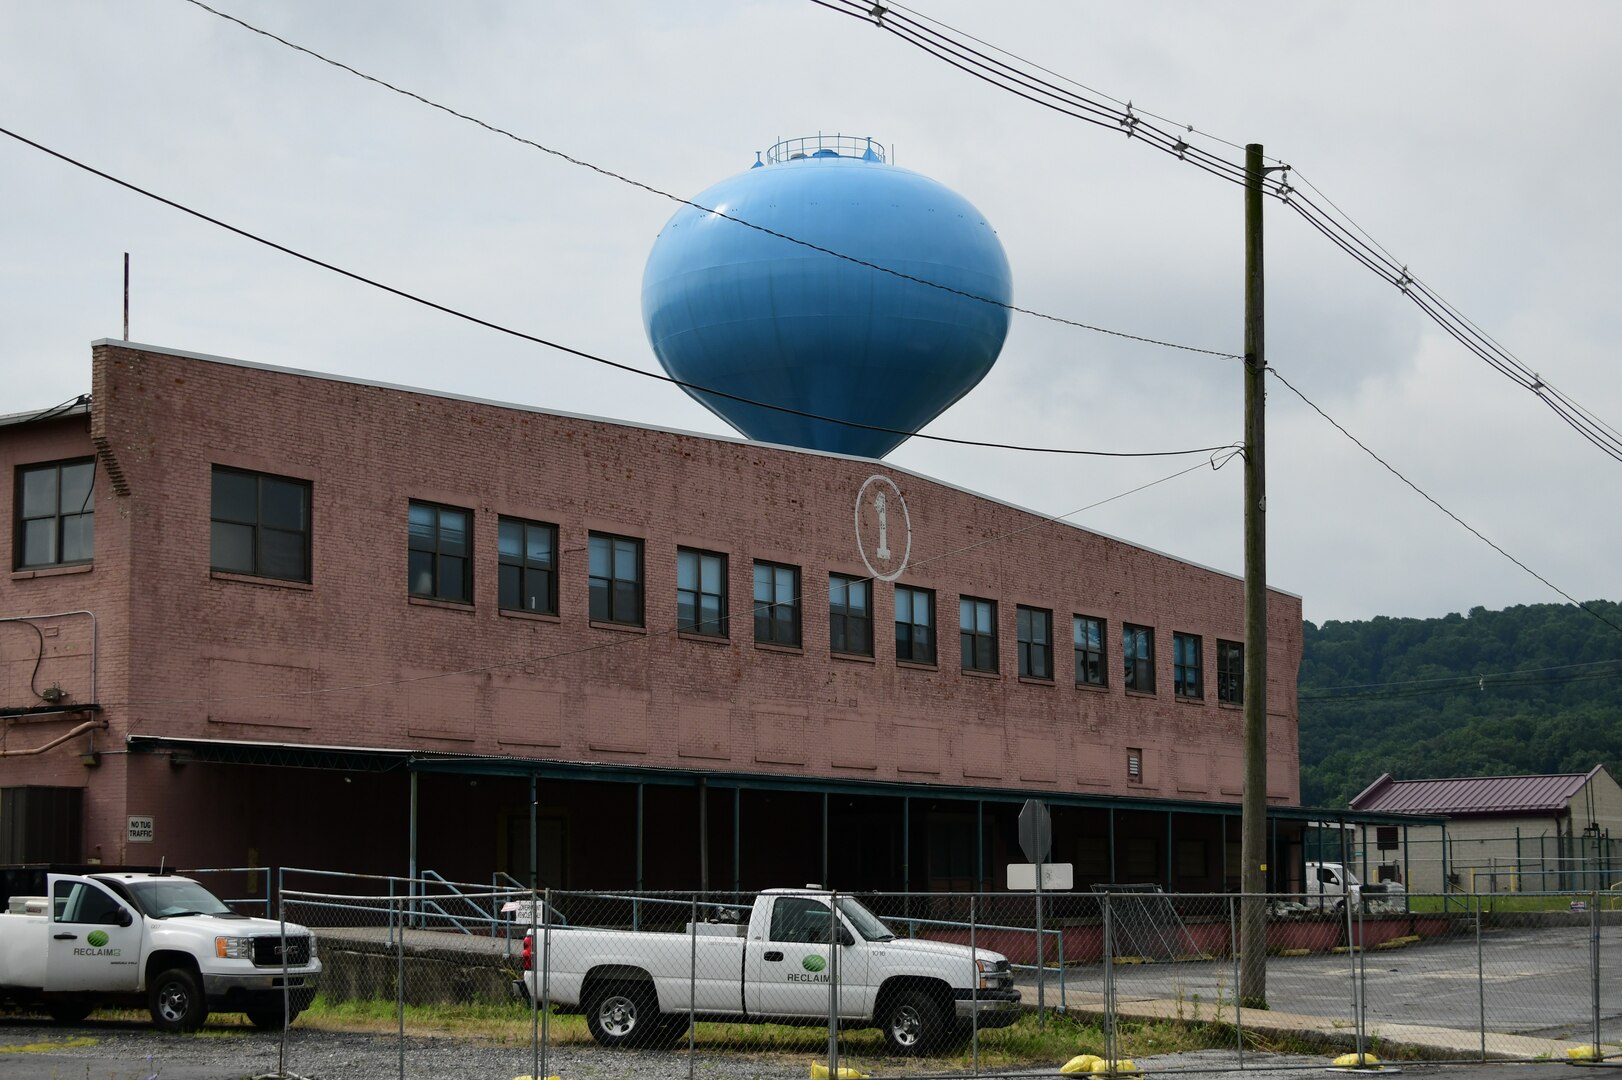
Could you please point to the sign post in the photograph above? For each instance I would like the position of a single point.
(1036, 841)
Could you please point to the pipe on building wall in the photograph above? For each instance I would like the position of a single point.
(88, 725)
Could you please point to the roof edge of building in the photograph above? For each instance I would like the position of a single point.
(351, 380)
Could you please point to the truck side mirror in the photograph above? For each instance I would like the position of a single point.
(124, 917)
(845, 937)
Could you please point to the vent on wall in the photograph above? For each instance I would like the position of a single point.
(1134, 765)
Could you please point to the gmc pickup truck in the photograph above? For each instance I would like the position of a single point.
(638, 988)
(158, 940)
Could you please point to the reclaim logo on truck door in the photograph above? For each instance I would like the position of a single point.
(96, 939)
(812, 963)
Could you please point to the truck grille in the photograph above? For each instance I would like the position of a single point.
(267, 951)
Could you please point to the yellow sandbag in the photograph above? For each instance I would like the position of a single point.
(1124, 1066)
(820, 1072)
(1081, 1063)
(1582, 1053)
(1353, 1061)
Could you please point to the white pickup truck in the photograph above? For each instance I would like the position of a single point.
(638, 988)
(1330, 883)
(158, 940)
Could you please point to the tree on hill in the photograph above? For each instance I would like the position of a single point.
(1531, 689)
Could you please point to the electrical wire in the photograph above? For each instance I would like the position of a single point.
(644, 186)
(950, 46)
(580, 353)
(54, 410)
(1427, 497)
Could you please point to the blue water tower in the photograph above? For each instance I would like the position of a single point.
(888, 336)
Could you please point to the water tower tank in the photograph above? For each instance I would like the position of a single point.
(751, 314)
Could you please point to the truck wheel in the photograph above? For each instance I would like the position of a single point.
(69, 1012)
(177, 1002)
(623, 1015)
(912, 1023)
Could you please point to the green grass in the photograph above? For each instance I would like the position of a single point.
(1509, 902)
(1026, 1042)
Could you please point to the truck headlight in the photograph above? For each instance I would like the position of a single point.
(312, 946)
(233, 948)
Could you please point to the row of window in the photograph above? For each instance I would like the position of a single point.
(260, 526)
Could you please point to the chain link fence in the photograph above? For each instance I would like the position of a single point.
(945, 984)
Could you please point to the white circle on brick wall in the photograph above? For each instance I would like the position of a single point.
(887, 525)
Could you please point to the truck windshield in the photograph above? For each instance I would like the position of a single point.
(867, 924)
(168, 898)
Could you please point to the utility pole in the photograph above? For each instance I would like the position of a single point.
(1253, 842)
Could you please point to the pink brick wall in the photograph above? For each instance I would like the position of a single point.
(186, 652)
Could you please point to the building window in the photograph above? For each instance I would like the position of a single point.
(1230, 672)
(701, 592)
(441, 539)
(777, 604)
(850, 615)
(1134, 765)
(1138, 657)
(616, 579)
(1187, 679)
(260, 525)
(914, 625)
(977, 626)
(56, 513)
(1089, 635)
(528, 567)
(1035, 626)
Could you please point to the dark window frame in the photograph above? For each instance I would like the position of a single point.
(260, 529)
(843, 618)
(978, 641)
(720, 625)
(438, 555)
(777, 618)
(526, 568)
(1035, 656)
(59, 521)
(1230, 674)
(1138, 658)
(1187, 666)
(907, 645)
(1089, 634)
(606, 602)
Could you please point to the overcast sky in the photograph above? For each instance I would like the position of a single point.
(1474, 141)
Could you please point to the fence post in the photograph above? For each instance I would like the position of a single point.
(833, 985)
(533, 982)
(974, 990)
(1481, 981)
(1357, 984)
(1064, 1000)
(1593, 963)
(1233, 951)
(692, 986)
(546, 982)
(399, 978)
(1109, 983)
(281, 908)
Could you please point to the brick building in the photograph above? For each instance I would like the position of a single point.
(258, 616)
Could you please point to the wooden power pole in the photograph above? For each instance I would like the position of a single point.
(1253, 843)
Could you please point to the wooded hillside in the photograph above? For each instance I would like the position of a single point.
(1529, 689)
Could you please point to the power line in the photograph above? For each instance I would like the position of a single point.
(621, 178)
(1424, 495)
(582, 354)
(1100, 110)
